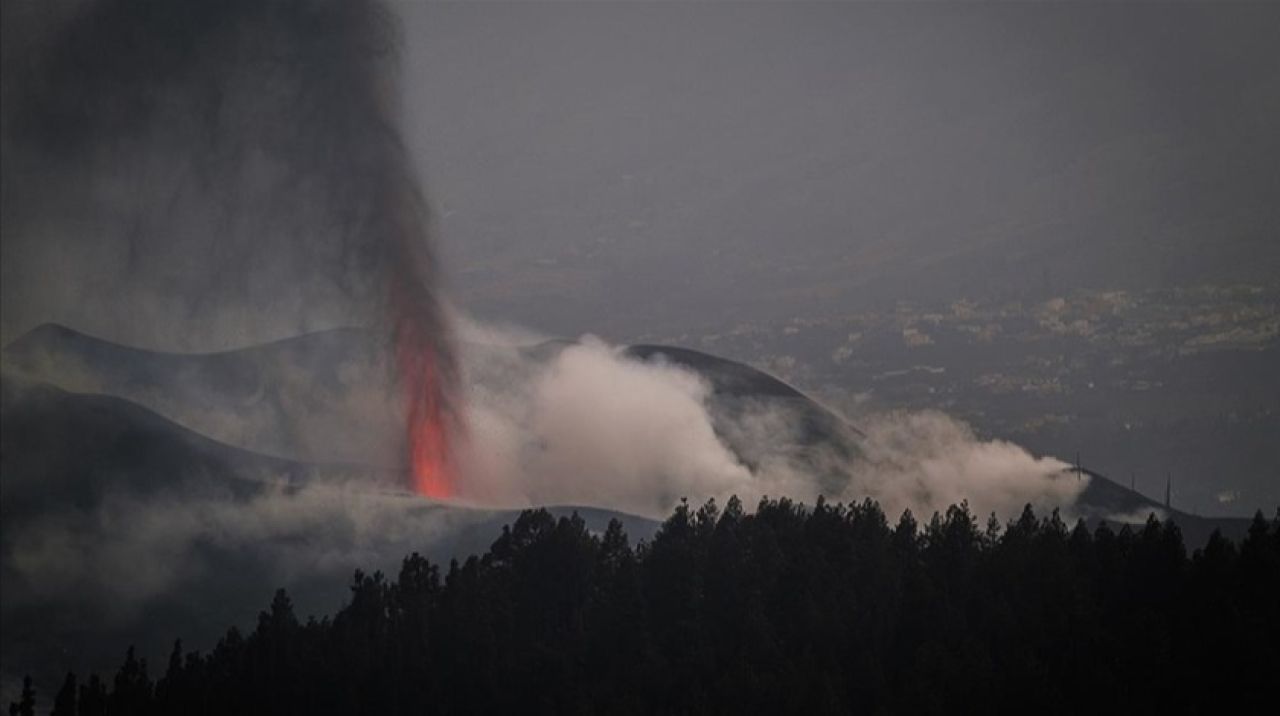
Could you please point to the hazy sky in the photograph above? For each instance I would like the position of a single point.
(631, 168)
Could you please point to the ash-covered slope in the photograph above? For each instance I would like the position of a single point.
(319, 397)
(64, 449)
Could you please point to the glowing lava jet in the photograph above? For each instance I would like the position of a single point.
(425, 372)
(428, 437)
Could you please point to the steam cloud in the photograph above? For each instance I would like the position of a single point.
(594, 426)
(591, 427)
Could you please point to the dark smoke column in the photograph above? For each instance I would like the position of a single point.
(425, 362)
(232, 171)
(391, 224)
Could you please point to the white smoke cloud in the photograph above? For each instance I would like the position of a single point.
(592, 427)
(587, 424)
(925, 461)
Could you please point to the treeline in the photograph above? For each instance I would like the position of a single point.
(786, 610)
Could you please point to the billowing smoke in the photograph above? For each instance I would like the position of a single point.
(202, 175)
(925, 461)
(591, 427)
(586, 423)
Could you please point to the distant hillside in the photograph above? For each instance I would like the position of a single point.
(292, 398)
(68, 448)
(1106, 500)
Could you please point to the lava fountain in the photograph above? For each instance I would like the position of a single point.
(429, 422)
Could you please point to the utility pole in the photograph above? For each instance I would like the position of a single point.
(1077, 465)
(1133, 482)
(1168, 489)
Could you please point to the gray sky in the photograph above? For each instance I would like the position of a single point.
(631, 168)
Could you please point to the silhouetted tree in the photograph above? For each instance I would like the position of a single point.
(64, 704)
(93, 697)
(26, 703)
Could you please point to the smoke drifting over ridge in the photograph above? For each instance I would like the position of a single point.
(202, 175)
(593, 425)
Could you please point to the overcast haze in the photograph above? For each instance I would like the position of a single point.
(641, 167)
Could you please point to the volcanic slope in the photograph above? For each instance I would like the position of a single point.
(295, 398)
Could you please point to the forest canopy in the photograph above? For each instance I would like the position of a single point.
(787, 609)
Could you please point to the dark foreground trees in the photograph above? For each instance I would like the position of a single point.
(789, 609)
